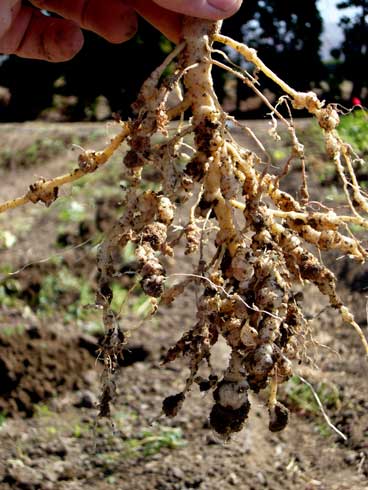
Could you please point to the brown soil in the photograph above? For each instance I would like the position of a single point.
(38, 364)
(50, 438)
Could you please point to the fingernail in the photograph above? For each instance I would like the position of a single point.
(224, 5)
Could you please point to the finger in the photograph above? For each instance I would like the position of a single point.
(114, 20)
(34, 35)
(8, 11)
(166, 21)
(206, 9)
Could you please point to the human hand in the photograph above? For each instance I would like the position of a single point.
(27, 32)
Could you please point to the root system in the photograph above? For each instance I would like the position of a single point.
(266, 244)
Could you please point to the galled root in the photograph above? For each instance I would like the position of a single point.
(250, 286)
(266, 241)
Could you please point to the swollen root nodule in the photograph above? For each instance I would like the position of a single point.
(249, 294)
(262, 237)
(249, 287)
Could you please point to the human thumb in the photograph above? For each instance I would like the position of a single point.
(8, 11)
(206, 9)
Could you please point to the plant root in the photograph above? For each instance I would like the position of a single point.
(249, 285)
(263, 236)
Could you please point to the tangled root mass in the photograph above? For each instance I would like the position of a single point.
(249, 286)
(263, 239)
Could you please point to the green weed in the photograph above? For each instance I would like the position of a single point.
(6, 156)
(301, 398)
(3, 418)
(7, 239)
(42, 410)
(323, 429)
(5, 269)
(149, 443)
(353, 128)
(312, 138)
(9, 290)
(57, 288)
(119, 296)
(18, 329)
(279, 154)
(111, 480)
(72, 212)
(42, 149)
(80, 429)
(51, 430)
(326, 173)
(142, 306)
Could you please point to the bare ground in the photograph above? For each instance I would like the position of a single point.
(50, 438)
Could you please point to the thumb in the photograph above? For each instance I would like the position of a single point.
(8, 11)
(206, 9)
(165, 20)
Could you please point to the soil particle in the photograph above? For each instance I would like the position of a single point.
(86, 399)
(34, 368)
(55, 448)
(21, 476)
